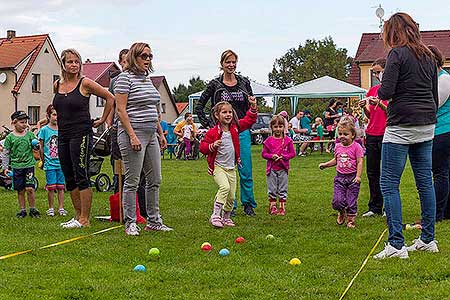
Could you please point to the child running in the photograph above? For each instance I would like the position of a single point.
(48, 139)
(348, 159)
(221, 145)
(18, 150)
(278, 149)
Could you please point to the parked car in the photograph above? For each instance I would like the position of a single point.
(261, 129)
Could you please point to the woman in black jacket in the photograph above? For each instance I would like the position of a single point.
(236, 90)
(410, 84)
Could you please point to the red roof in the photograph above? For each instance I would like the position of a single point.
(96, 70)
(371, 47)
(181, 106)
(15, 50)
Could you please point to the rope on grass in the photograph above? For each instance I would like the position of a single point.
(363, 264)
(60, 243)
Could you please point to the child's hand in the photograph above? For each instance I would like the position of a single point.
(217, 143)
(357, 179)
(252, 101)
(275, 157)
(322, 166)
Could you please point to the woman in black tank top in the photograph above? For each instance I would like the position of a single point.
(71, 102)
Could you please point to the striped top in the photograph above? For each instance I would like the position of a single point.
(143, 98)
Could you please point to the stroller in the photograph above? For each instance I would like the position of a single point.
(101, 148)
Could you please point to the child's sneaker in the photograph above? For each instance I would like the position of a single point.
(34, 213)
(132, 229)
(227, 222)
(419, 245)
(341, 217)
(22, 213)
(281, 211)
(161, 227)
(62, 212)
(51, 212)
(273, 210)
(390, 251)
(216, 221)
(351, 222)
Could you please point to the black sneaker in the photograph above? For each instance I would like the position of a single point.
(34, 213)
(248, 210)
(21, 214)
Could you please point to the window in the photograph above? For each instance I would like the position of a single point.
(36, 83)
(100, 102)
(33, 113)
(373, 79)
(163, 108)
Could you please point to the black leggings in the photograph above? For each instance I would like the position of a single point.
(74, 153)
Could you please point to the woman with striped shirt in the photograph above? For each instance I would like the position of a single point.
(140, 137)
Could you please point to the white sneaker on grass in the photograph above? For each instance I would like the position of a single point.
(62, 212)
(71, 225)
(390, 251)
(132, 230)
(369, 214)
(68, 222)
(51, 212)
(419, 245)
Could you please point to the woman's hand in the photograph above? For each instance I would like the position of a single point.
(363, 102)
(98, 122)
(252, 101)
(135, 143)
(162, 142)
(374, 101)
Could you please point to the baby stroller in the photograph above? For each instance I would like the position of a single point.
(101, 148)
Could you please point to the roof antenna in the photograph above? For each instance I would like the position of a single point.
(380, 14)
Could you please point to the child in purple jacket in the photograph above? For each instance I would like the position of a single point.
(278, 149)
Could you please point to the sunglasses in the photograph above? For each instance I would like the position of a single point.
(146, 56)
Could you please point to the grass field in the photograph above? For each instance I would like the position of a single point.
(101, 266)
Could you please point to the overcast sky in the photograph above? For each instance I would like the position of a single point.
(187, 37)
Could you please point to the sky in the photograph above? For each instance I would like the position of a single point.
(187, 37)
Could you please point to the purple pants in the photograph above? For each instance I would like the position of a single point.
(346, 193)
(187, 150)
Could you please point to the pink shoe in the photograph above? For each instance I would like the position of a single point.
(282, 212)
(228, 222)
(273, 210)
(216, 221)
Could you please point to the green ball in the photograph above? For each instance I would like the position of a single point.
(154, 252)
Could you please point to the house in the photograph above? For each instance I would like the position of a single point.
(28, 67)
(182, 107)
(371, 47)
(100, 72)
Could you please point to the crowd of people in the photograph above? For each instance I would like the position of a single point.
(408, 115)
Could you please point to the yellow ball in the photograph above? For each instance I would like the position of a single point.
(295, 261)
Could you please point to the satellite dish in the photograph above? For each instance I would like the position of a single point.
(2, 78)
(380, 12)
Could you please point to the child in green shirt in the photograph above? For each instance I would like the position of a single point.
(18, 150)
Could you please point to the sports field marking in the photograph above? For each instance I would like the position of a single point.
(59, 243)
(363, 264)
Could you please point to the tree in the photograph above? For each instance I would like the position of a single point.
(313, 60)
(182, 92)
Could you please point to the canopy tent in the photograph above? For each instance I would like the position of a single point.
(259, 90)
(323, 87)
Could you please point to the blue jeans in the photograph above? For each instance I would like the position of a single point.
(393, 160)
(441, 166)
(245, 170)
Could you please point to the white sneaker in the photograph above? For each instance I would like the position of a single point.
(74, 224)
(419, 245)
(62, 212)
(369, 214)
(132, 229)
(68, 222)
(51, 212)
(389, 251)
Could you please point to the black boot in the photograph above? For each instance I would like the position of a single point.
(248, 210)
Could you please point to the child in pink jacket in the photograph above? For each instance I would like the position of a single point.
(278, 149)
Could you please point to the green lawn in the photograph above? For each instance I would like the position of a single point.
(101, 266)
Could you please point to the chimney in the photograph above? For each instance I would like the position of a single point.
(10, 34)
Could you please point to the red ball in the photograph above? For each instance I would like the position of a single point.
(206, 248)
(240, 240)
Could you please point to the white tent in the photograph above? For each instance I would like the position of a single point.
(323, 87)
(259, 90)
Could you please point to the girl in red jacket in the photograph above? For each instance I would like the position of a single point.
(221, 145)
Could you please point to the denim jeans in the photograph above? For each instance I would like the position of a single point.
(393, 160)
(441, 165)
